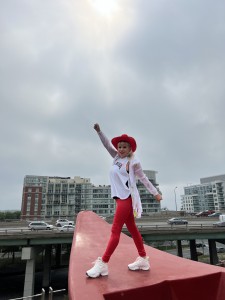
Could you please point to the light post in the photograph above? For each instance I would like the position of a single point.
(175, 197)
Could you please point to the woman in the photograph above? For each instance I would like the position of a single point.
(123, 173)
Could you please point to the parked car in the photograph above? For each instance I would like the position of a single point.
(219, 224)
(215, 214)
(177, 221)
(61, 222)
(66, 228)
(40, 225)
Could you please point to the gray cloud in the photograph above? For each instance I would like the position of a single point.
(152, 69)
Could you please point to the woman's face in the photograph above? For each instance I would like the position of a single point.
(123, 149)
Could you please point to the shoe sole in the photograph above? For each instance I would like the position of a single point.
(139, 269)
(103, 274)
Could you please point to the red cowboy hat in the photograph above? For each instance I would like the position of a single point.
(124, 138)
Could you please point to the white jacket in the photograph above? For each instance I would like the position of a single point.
(135, 170)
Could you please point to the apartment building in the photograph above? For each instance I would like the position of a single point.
(46, 197)
(208, 195)
(149, 204)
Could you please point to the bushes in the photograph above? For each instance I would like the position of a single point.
(10, 215)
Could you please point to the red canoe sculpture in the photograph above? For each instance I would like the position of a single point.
(170, 277)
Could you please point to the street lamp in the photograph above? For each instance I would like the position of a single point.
(175, 197)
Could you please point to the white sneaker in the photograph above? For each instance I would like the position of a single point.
(140, 263)
(100, 269)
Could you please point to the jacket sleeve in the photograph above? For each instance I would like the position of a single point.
(144, 179)
(106, 143)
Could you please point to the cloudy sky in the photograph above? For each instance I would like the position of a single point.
(153, 69)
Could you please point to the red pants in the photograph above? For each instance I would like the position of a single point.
(124, 215)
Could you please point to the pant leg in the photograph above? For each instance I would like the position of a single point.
(121, 215)
(132, 228)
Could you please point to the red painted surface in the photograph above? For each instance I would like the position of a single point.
(170, 277)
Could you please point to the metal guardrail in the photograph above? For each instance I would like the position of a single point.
(10, 231)
(186, 227)
(42, 295)
(28, 231)
(52, 292)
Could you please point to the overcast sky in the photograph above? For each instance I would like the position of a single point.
(153, 69)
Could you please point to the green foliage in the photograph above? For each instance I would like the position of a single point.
(10, 215)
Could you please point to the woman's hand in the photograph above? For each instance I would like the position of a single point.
(158, 197)
(97, 127)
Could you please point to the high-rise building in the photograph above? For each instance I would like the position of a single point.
(53, 197)
(149, 204)
(208, 195)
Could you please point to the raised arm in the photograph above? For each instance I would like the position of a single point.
(106, 143)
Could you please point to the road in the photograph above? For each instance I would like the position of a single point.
(197, 221)
(204, 222)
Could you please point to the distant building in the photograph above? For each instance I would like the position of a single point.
(208, 195)
(149, 204)
(53, 197)
(210, 179)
